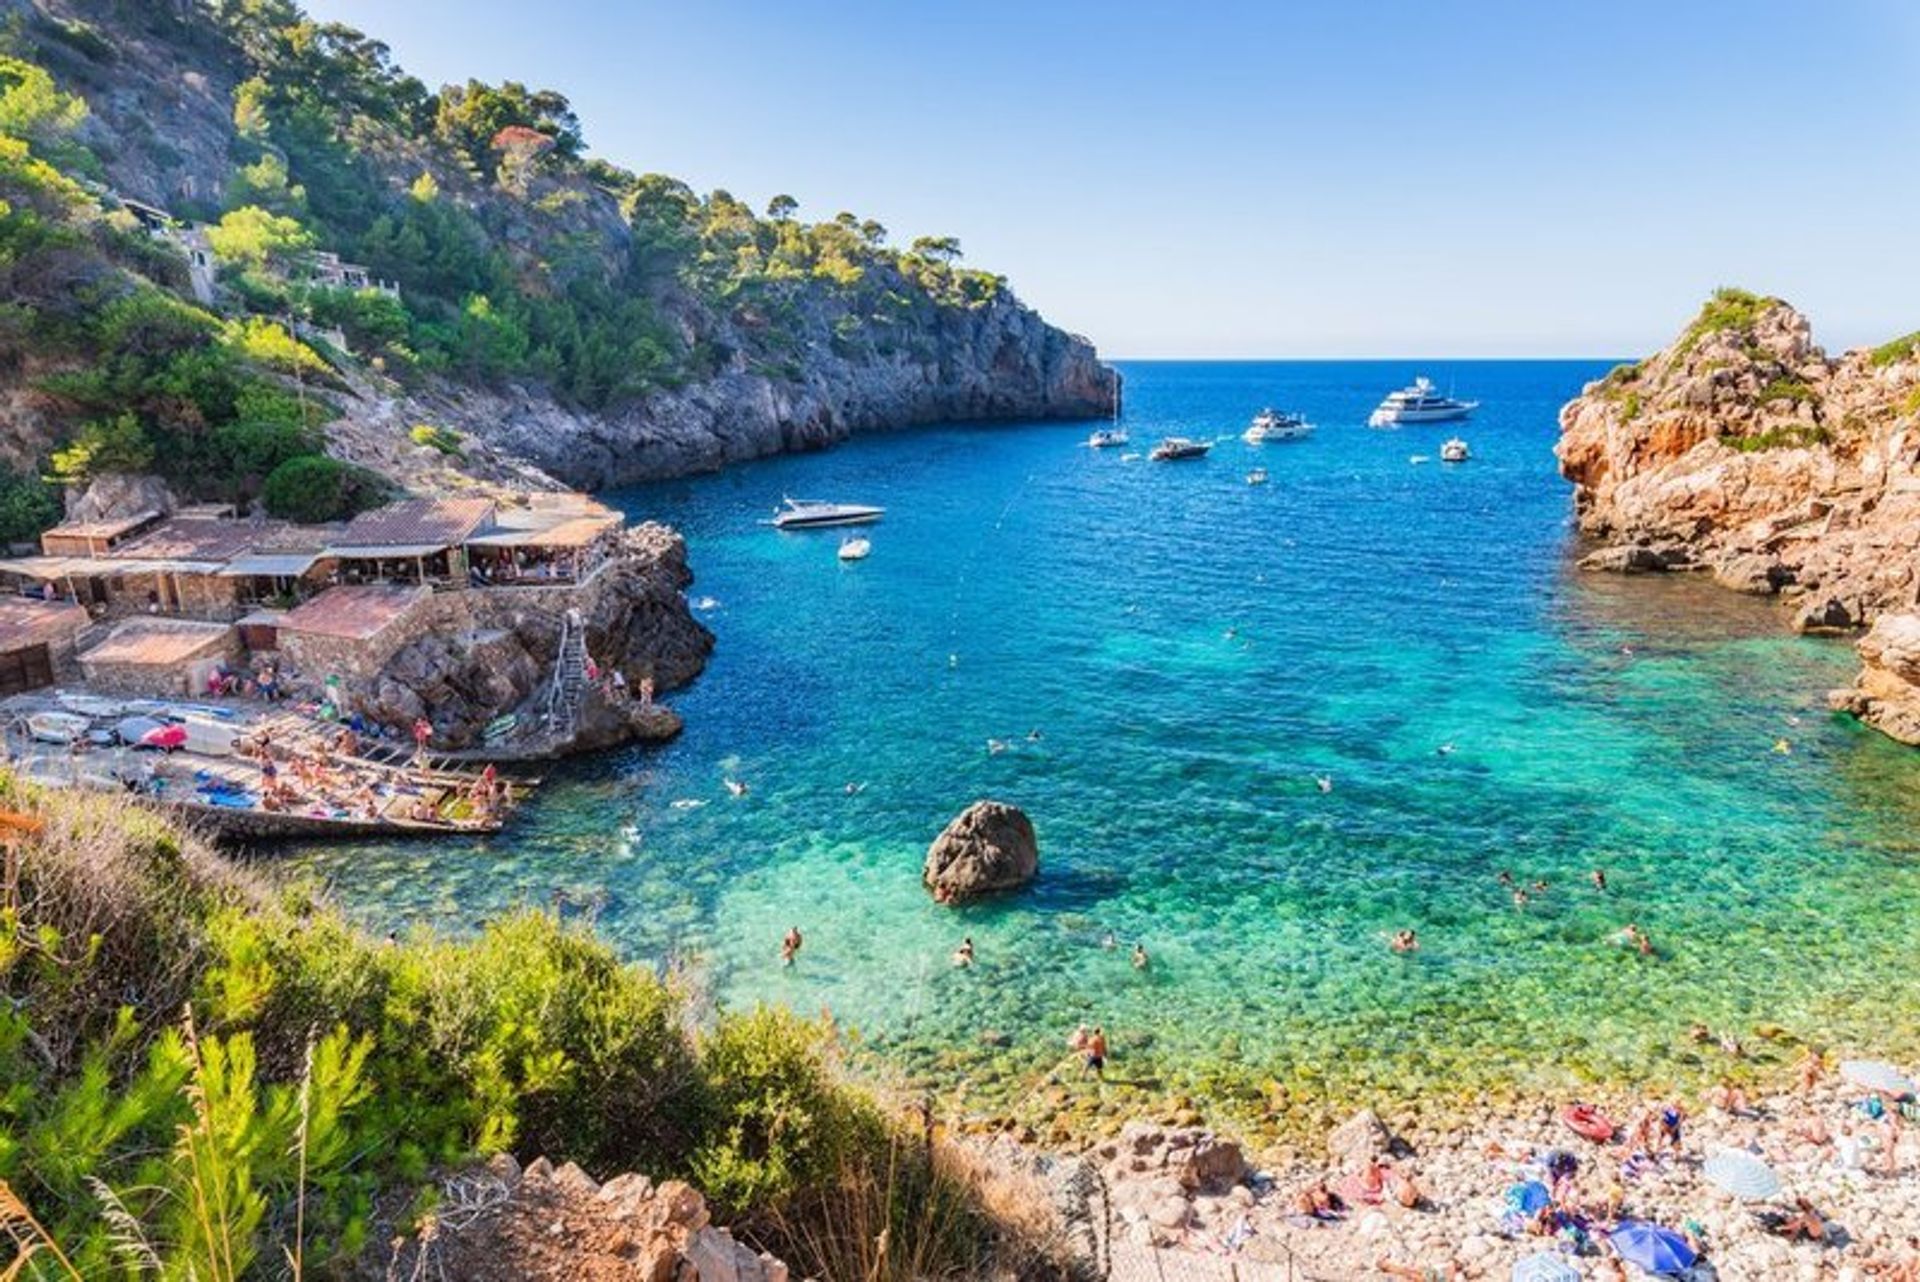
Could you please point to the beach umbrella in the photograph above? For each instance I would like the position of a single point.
(1741, 1174)
(1877, 1075)
(168, 737)
(1545, 1266)
(1528, 1197)
(1650, 1248)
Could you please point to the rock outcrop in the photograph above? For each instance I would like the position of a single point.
(1744, 451)
(988, 847)
(488, 653)
(504, 1224)
(1887, 693)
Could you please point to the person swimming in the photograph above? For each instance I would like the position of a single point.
(963, 955)
(1139, 956)
(737, 787)
(1404, 941)
(1599, 878)
(790, 946)
(1325, 782)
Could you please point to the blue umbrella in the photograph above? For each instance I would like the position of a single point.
(1547, 1266)
(1742, 1174)
(1528, 1197)
(1650, 1248)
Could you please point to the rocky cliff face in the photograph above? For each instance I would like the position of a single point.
(1000, 361)
(1743, 450)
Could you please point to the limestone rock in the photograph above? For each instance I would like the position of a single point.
(988, 847)
(1359, 1138)
(1886, 695)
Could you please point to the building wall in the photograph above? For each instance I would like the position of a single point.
(159, 680)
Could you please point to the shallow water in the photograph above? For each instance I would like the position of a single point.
(1192, 652)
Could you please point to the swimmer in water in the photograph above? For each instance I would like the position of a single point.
(854, 789)
(1324, 782)
(996, 746)
(1445, 749)
(737, 787)
(1139, 956)
(963, 955)
(1404, 941)
(1033, 735)
(790, 946)
(1519, 899)
(1599, 879)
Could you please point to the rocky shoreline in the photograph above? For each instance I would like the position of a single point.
(1744, 451)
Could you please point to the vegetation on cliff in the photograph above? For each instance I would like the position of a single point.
(201, 1070)
(518, 259)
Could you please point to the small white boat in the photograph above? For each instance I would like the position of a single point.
(57, 727)
(855, 549)
(1257, 477)
(1420, 403)
(1179, 447)
(811, 514)
(1107, 438)
(1276, 425)
(1454, 451)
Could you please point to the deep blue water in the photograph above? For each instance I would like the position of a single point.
(1193, 651)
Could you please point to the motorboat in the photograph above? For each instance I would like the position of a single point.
(1420, 403)
(1257, 477)
(57, 727)
(1173, 448)
(855, 549)
(811, 514)
(1276, 425)
(1454, 451)
(1107, 438)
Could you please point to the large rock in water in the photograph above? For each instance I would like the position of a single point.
(988, 847)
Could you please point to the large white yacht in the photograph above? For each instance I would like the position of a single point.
(1420, 403)
(810, 514)
(1276, 425)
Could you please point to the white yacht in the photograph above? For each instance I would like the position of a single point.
(810, 514)
(1276, 425)
(1107, 437)
(1454, 451)
(1420, 403)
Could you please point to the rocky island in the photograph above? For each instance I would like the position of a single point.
(1745, 451)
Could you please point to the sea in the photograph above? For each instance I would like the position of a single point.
(1258, 729)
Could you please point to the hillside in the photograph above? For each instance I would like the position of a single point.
(521, 300)
(1744, 450)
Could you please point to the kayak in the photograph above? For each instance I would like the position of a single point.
(1588, 1122)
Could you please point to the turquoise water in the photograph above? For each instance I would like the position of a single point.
(1193, 651)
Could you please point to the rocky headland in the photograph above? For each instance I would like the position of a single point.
(1743, 450)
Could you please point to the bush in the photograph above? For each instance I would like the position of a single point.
(28, 505)
(443, 439)
(268, 343)
(117, 444)
(1897, 350)
(314, 488)
(1728, 309)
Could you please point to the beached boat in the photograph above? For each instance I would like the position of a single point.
(855, 550)
(1420, 403)
(57, 727)
(1276, 425)
(1454, 450)
(1107, 438)
(811, 514)
(1179, 447)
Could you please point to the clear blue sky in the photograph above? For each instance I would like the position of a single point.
(1355, 177)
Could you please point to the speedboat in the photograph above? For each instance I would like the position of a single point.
(1257, 477)
(855, 549)
(1419, 403)
(1107, 437)
(810, 514)
(1454, 451)
(1276, 425)
(1179, 447)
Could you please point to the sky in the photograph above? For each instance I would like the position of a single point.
(1227, 179)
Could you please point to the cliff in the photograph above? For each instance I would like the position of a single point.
(1744, 450)
(550, 308)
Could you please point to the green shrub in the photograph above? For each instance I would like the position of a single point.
(1798, 436)
(28, 505)
(268, 343)
(118, 444)
(1728, 309)
(1897, 350)
(443, 439)
(314, 488)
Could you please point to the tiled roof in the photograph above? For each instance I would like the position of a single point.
(25, 622)
(201, 539)
(443, 523)
(158, 642)
(112, 529)
(352, 613)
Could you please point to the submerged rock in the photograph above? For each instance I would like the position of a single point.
(988, 847)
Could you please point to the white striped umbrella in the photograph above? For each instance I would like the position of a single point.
(1741, 1174)
(1878, 1075)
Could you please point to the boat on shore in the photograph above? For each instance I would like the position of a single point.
(812, 514)
(1107, 438)
(1419, 403)
(1454, 450)
(1174, 448)
(1276, 425)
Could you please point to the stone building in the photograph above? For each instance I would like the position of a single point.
(159, 657)
(37, 640)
